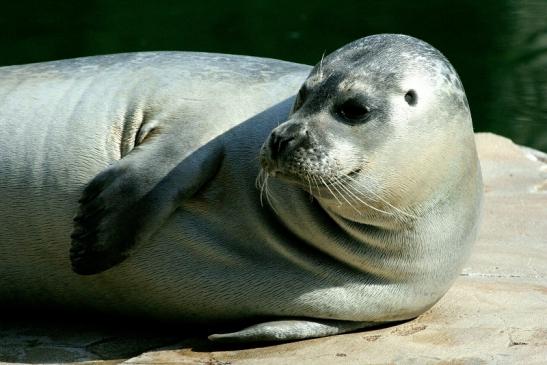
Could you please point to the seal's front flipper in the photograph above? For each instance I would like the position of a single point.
(127, 202)
(286, 330)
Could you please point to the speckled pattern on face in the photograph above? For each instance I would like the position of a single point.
(370, 70)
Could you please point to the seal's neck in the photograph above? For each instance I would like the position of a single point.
(358, 241)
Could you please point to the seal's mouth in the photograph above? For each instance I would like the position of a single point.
(354, 171)
(312, 181)
(286, 176)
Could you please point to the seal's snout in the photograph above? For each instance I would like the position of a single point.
(286, 138)
(283, 145)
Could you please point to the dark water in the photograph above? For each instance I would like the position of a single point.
(499, 47)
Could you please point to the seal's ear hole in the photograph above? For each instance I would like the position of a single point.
(411, 97)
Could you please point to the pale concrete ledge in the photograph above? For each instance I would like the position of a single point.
(495, 313)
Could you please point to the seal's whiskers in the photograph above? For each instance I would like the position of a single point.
(352, 190)
(327, 186)
(321, 66)
(335, 184)
(260, 183)
(316, 185)
(265, 189)
(308, 178)
(355, 181)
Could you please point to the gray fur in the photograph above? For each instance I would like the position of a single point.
(156, 154)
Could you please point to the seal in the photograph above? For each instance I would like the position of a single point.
(368, 199)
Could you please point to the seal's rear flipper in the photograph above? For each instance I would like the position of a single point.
(286, 330)
(127, 202)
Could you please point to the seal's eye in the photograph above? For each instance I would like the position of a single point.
(302, 93)
(353, 111)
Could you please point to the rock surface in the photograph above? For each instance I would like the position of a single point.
(496, 312)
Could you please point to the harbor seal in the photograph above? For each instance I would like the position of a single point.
(367, 201)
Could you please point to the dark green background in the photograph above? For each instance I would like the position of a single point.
(499, 47)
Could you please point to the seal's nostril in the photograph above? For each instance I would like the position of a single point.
(283, 143)
(278, 144)
(273, 145)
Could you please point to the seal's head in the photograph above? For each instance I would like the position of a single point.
(379, 125)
